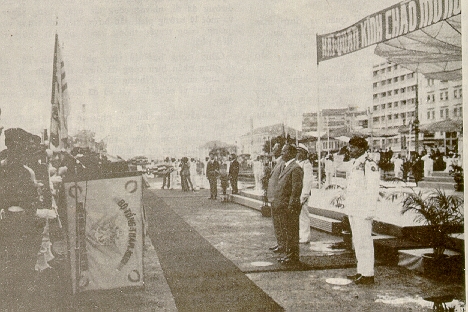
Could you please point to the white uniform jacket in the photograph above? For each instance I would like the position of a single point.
(362, 190)
(307, 180)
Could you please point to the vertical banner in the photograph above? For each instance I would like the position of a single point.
(59, 100)
(105, 227)
(397, 20)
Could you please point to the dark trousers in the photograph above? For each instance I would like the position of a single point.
(292, 232)
(235, 190)
(213, 186)
(167, 177)
(20, 241)
(278, 217)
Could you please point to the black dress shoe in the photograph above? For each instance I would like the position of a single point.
(273, 247)
(353, 277)
(278, 250)
(364, 280)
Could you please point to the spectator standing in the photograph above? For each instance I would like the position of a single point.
(212, 172)
(234, 173)
(398, 166)
(167, 173)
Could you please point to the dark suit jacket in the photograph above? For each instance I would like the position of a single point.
(212, 169)
(288, 190)
(273, 181)
(234, 169)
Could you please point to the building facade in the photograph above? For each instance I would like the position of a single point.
(252, 142)
(394, 96)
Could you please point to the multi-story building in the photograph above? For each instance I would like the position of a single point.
(252, 142)
(440, 100)
(333, 118)
(395, 92)
(394, 96)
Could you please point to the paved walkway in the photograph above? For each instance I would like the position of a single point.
(212, 256)
(243, 236)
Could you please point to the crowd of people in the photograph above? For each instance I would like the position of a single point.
(214, 168)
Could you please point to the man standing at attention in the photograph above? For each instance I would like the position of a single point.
(288, 204)
(212, 171)
(362, 192)
(234, 173)
(307, 181)
(275, 215)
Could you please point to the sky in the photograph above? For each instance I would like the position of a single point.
(162, 77)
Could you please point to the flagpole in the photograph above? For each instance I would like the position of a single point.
(319, 143)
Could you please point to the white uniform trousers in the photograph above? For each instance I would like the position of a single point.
(363, 244)
(304, 224)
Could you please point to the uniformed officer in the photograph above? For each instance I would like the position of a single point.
(362, 192)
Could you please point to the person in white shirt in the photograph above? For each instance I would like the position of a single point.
(428, 165)
(398, 166)
(329, 170)
(362, 192)
(307, 181)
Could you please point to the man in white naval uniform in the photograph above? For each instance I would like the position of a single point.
(362, 192)
(307, 181)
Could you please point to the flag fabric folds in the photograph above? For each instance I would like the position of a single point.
(60, 101)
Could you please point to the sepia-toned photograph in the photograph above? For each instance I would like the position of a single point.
(220, 155)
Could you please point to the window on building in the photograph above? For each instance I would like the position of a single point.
(460, 93)
(403, 103)
(411, 75)
(376, 96)
(455, 94)
(460, 111)
(447, 113)
(402, 77)
(383, 82)
(389, 69)
(395, 104)
(375, 119)
(375, 107)
(412, 114)
(433, 97)
(395, 79)
(455, 112)
(389, 93)
(389, 117)
(441, 96)
(433, 114)
(446, 95)
(441, 113)
(389, 105)
(395, 116)
(389, 81)
(376, 72)
(390, 141)
(395, 67)
(428, 98)
(382, 118)
(383, 94)
(396, 91)
(428, 115)
(402, 115)
(395, 140)
(375, 84)
(383, 106)
(402, 90)
(382, 71)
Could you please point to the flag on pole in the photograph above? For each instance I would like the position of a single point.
(60, 101)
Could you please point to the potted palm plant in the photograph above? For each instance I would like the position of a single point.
(442, 214)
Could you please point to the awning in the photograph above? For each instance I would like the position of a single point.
(435, 51)
(447, 125)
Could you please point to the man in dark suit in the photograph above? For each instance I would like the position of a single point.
(212, 172)
(287, 203)
(280, 246)
(234, 173)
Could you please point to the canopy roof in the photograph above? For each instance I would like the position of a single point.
(434, 51)
(447, 125)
